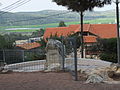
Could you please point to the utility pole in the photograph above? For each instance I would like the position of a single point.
(118, 32)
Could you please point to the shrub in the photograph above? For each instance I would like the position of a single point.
(109, 57)
(108, 48)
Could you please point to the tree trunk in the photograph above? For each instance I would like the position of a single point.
(82, 40)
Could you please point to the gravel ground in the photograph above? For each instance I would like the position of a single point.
(48, 81)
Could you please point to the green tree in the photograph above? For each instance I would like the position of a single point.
(42, 54)
(80, 6)
(6, 43)
(62, 24)
(38, 33)
(108, 49)
(42, 43)
(15, 36)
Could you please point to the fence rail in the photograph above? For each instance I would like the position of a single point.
(34, 60)
(17, 56)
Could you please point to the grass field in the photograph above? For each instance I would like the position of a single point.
(3, 28)
(97, 21)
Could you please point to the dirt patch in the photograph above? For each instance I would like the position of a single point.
(48, 81)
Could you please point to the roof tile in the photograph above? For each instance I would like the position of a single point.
(99, 30)
(104, 30)
(28, 46)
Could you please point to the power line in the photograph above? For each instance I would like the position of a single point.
(38, 18)
(17, 5)
(10, 5)
(14, 7)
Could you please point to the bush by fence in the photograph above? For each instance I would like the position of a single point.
(16, 56)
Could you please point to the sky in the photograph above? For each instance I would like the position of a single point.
(38, 5)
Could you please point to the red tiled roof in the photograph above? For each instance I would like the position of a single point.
(28, 46)
(90, 39)
(53, 31)
(104, 30)
(64, 31)
(100, 30)
(77, 27)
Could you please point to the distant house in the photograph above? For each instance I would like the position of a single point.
(31, 40)
(19, 42)
(31, 51)
(29, 46)
(90, 31)
(97, 30)
(22, 52)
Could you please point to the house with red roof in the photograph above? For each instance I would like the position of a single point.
(97, 30)
(90, 31)
(28, 46)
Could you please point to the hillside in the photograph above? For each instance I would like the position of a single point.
(8, 19)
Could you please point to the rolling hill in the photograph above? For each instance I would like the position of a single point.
(38, 18)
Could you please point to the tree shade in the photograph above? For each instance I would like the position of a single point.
(82, 5)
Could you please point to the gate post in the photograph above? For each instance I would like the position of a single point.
(75, 58)
(74, 45)
(63, 55)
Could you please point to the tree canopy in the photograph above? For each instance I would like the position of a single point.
(38, 33)
(62, 24)
(5, 43)
(108, 48)
(82, 5)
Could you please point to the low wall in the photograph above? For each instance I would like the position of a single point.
(69, 63)
(25, 64)
(89, 62)
(86, 64)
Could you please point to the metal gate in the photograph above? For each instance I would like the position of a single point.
(70, 51)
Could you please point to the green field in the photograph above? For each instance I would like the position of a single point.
(97, 21)
(101, 21)
(2, 28)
